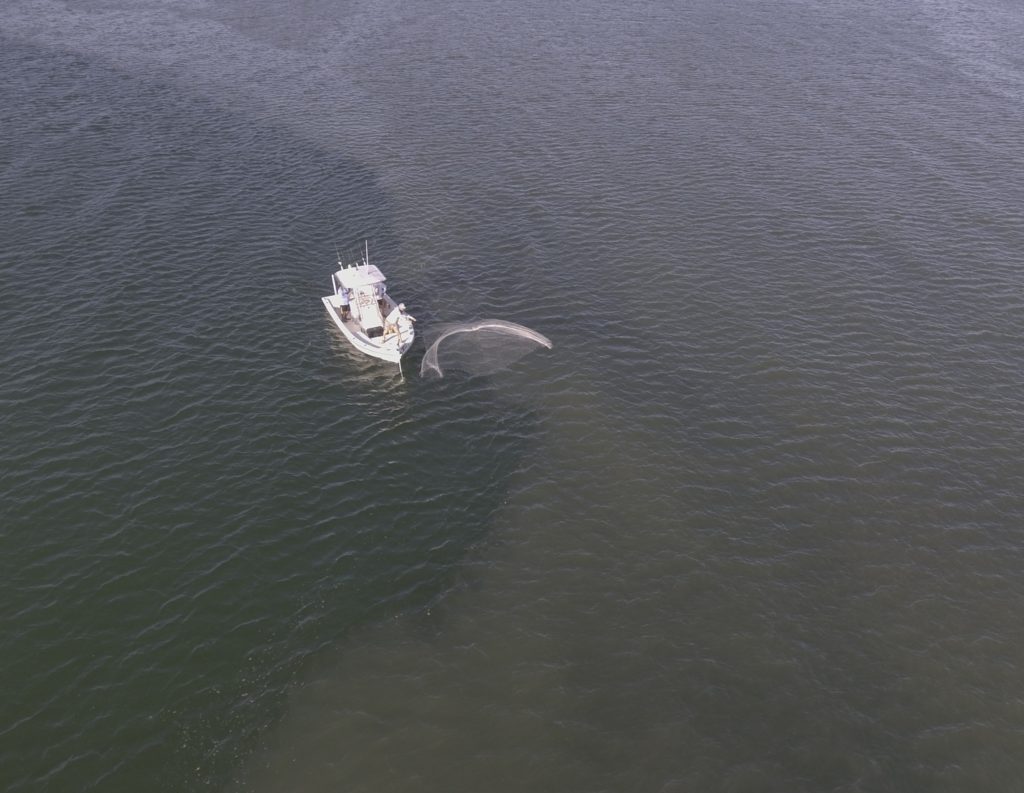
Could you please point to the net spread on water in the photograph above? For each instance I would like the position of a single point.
(478, 348)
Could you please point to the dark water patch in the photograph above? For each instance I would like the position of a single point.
(202, 485)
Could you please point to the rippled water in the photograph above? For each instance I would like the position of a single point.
(752, 525)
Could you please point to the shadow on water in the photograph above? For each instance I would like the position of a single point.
(205, 486)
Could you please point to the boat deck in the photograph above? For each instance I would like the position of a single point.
(390, 346)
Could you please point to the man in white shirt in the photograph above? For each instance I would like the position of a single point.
(399, 321)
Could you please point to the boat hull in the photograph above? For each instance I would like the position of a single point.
(389, 349)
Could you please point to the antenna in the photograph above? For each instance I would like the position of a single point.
(366, 255)
(337, 251)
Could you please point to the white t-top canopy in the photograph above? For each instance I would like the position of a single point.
(364, 275)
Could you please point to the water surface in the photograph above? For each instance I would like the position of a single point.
(752, 524)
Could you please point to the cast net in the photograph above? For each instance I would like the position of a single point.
(478, 348)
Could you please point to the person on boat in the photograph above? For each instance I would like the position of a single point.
(379, 289)
(344, 298)
(398, 320)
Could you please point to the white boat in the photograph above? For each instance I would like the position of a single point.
(364, 311)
